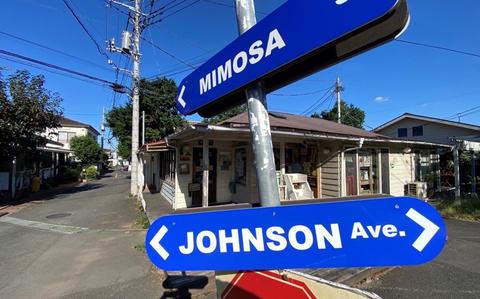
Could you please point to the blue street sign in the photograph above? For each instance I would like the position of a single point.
(365, 233)
(295, 40)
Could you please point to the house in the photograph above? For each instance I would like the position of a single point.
(431, 129)
(70, 128)
(16, 176)
(461, 136)
(314, 158)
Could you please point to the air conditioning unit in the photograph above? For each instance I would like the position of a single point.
(417, 189)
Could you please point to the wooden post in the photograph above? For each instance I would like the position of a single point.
(14, 177)
(206, 165)
(282, 158)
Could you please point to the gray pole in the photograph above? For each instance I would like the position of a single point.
(135, 98)
(338, 89)
(143, 127)
(474, 174)
(456, 165)
(259, 121)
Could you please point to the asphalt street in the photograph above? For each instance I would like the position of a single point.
(455, 273)
(77, 244)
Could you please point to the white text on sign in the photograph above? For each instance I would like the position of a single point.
(239, 63)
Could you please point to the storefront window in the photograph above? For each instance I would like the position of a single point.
(241, 166)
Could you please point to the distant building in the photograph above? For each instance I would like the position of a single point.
(461, 136)
(70, 128)
(431, 129)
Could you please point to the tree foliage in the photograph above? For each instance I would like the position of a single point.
(86, 149)
(350, 115)
(27, 109)
(225, 115)
(157, 99)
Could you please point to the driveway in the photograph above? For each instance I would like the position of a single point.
(455, 273)
(77, 244)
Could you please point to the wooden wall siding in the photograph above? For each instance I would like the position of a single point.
(331, 177)
(400, 172)
(167, 190)
(182, 200)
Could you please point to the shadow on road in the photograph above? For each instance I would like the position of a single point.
(179, 286)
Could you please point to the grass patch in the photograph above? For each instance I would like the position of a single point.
(465, 209)
(140, 247)
(142, 221)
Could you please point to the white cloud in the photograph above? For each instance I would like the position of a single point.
(381, 99)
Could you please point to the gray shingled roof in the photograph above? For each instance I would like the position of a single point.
(292, 122)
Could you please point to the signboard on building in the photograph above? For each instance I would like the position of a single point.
(297, 39)
(393, 231)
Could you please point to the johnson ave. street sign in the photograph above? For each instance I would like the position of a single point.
(295, 40)
(364, 233)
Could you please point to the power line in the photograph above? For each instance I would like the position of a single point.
(229, 5)
(438, 48)
(321, 100)
(60, 68)
(175, 12)
(169, 54)
(54, 50)
(300, 94)
(100, 50)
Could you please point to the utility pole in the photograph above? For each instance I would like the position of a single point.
(338, 90)
(102, 128)
(143, 127)
(259, 120)
(474, 173)
(132, 48)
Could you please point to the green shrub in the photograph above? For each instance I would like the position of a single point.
(69, 174)
(466, 208)
(91, 172)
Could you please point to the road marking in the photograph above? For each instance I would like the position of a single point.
(63, 229)
(155, 243)
(430, 229)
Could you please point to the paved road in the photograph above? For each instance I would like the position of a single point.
(454, 274)
(40, 257)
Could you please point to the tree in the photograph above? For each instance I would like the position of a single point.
(350, 115)
(27, 110)
(226, 115)
(86, 149)
(157, 99)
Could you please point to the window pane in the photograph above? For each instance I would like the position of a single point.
(241, 166)
(62, 136)
(402, 132)
(417, 131)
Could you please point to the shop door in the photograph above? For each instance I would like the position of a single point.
(198, 175)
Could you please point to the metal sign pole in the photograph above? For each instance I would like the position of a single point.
(259, 121)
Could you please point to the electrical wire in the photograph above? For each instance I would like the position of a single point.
(316, 104)
(232, 6)
(169, 54)
(100, 50)
(437, 47)
(54, 50)
(56, 67)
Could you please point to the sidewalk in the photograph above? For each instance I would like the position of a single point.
(182, 285)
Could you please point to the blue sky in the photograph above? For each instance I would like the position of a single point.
(385, 82)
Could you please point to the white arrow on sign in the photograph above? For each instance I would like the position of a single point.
(430, 229)
(155, 243)
(180, 97)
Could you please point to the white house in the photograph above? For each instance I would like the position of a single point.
(70, 128)
(314, 158)
(461, 136)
